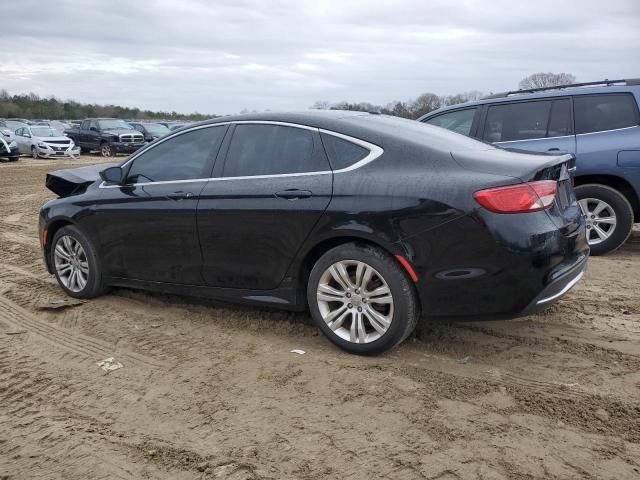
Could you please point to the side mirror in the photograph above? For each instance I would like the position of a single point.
(93, 129)
(112, 175)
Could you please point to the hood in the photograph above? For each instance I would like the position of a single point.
(52, 139)
(74, 180)
(119, 131)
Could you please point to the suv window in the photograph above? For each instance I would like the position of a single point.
(184, 157)
(597, 113)
(560, 122)
(517, 121)
(272, 150)
(459, 121)
(85, 125)
(342, 153)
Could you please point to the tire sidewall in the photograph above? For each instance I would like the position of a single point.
(623, 211)
(109, 146)
(93, 287)
(396, 280)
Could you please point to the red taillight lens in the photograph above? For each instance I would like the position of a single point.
(524, 197)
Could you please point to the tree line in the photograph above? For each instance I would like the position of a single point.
(33, 106)
(427, 102)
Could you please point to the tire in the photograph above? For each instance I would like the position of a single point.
(106, 150)
(13, 159)
(34, 153)
(340, 307)
(601, 202)
(84, 151)
(86, 257)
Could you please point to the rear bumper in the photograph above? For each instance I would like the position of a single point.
(562, 279)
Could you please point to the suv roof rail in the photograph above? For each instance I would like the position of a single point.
(606, 82)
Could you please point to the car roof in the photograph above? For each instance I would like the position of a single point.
(516, 97)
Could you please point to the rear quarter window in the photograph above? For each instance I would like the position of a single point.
(342, 153)
(599, 113)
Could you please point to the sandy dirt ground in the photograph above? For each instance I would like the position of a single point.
(211, 391)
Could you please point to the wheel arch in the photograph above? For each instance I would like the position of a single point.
(313, 254)
(52, 228)
(617, 183)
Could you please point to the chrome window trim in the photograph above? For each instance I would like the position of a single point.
(374, 152)
(534, 139)
(612, 130)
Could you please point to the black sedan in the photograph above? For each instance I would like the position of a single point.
(368, 221)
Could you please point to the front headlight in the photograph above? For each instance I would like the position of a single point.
(71, 144)
(43, 145)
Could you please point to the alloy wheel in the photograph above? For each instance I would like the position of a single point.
(106, 150)
(71, 263)
(355, 301)
(34, 152)
(601, 219)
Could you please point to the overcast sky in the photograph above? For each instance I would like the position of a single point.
(223, 57)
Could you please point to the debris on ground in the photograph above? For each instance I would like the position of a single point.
(109, 364)
(466, 359)
(16, 332)
(60, 304)
(298, 351)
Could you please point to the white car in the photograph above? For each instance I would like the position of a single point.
(45, 142)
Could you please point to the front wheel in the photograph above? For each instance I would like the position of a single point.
(362, 299)
(76, 264)
(34, 153)
(609, 217)
(106, 149)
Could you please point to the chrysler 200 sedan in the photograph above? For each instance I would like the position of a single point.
(368, 221)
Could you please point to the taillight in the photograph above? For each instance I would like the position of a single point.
(524, 197)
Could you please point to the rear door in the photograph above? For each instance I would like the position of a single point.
(538, 126)
(272, 188)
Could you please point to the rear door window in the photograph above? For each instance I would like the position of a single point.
(459, 121)
(342, 153)
(517, 121)
(273, 150)
(598, 113)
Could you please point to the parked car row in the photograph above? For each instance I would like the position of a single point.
(55, 138)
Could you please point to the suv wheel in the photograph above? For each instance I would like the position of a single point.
(106, 149)
(75, 264)
(609, 217)
(362, 299)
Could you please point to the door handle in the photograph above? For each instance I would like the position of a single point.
(293, 194)
(180, 195)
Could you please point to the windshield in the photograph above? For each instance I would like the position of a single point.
(109, 124)
(156, 129)
(14, 125)
(45, 132)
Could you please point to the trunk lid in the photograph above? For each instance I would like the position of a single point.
(74, 180)
(530, 167)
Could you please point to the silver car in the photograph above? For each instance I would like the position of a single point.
(45, 142)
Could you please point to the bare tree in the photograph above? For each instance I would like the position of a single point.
(543, 80)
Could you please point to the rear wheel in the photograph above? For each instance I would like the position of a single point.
(362, 299)
(76, 264)
(609, 217)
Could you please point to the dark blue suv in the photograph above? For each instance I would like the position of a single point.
(599, 122)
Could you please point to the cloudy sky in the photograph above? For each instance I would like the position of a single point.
(223, 57)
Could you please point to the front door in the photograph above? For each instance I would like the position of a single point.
(267, 196)
(147, 226)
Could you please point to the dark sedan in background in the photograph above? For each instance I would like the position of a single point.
(367, 220)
